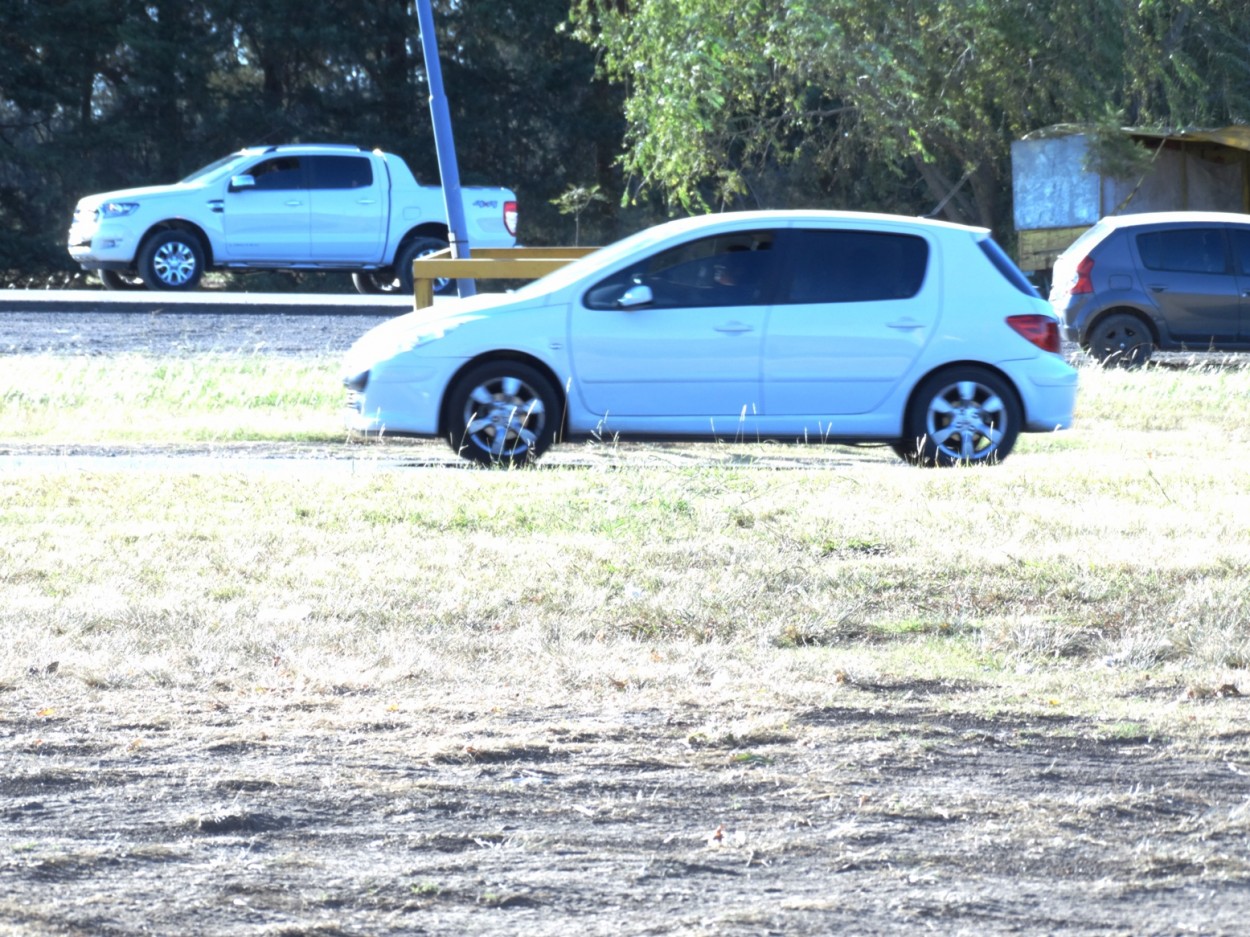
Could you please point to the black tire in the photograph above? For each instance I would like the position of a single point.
(373, 282)
(172, 260)
(397, 280)
(963, 416)
(419, 247)
(115, 280)
(502, 412)
(1120, 340)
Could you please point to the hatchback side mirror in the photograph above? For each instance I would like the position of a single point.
(637, 295)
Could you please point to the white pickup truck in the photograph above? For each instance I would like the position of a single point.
(298, 207)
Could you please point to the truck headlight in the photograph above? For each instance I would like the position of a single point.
(118, 209)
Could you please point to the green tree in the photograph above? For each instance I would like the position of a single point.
(909, 105)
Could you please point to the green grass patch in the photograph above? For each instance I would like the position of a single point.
(1119, 547)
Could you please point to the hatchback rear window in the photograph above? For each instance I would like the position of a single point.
(1011, 273)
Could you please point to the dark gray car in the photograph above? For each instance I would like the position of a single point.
(1165, 280)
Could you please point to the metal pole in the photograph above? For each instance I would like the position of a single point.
(444, 144)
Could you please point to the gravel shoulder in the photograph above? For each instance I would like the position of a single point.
(336, 811)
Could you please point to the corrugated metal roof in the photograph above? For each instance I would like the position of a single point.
(1236, 136)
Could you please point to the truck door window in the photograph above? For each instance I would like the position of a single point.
(278, 174)
(341, 172)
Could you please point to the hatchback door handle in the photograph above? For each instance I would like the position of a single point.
(294, 203)
(906, 324)
(733, 327)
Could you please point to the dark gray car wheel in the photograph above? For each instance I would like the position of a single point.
(502, 412)
(1121, 340)
(172, 260)
(962, 416)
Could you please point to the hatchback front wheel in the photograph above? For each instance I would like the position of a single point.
(502, 412)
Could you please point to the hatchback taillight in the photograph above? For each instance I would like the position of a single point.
(1042, 331)
(509, 217)
(1084, 282)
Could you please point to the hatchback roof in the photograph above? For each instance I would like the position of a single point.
(799, 216)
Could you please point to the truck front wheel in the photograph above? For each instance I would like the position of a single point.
(172, 260)
(116, 280)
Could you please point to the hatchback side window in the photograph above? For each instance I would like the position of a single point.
(853, 266)
(726, 270)
(278, 174)
(341, 172)
(1184, 250)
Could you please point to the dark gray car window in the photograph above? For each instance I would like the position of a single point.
(341, 172)
(853, 266)
(1184, 250)
(1241, 249)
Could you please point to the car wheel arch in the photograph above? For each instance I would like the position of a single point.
(178, 224)
(951, 366)
(560, 386)
(910, 445)
(428, 229)
(1137, 312)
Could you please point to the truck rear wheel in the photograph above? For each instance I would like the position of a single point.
(397, 280)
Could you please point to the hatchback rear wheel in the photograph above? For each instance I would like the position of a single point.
(962, 416)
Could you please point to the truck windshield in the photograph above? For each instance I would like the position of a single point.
(216, 169)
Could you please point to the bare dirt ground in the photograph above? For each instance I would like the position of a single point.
(333, 812)
(876, 806)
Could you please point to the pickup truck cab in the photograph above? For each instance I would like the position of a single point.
(297, 207)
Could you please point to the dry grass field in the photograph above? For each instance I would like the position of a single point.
(296, 686)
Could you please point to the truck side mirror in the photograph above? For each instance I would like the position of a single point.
(244, 181)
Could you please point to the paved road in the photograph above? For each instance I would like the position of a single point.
(100, 323)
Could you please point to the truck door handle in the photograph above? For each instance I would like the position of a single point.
(367, 201)
(294, 203)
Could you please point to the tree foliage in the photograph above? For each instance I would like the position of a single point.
(105, 94)
(662, 105)
(906, 105)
